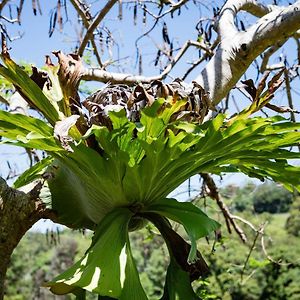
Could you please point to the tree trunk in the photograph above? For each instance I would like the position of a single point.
(18, 212)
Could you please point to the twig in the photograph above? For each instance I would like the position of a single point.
(174, 7)
(281, 109)
(264, 64)
(244, 221)
(104, 76)
(261, 230)
(192, 67)
(270, 258)
(214, 194)
(201, 59)
(181, 52)
(258, 232)
(298, 49)
(12, 21)
(94, 24)
(86, 17)
(289, 95)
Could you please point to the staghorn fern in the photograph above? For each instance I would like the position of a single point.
(113, 169)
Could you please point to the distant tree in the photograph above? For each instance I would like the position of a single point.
(240, 197)
(293, 222)
(271, 198)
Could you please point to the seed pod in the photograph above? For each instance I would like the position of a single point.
(144, 14)
(157, 58)
(242, 26)
(135, 14)
(165, 34)
(171, 50)
(34, 7)
(140, 65)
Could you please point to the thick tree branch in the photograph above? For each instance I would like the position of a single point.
(95, 74)
(226, 25)
(94, 24)
(236, 52)
(104, 76)
(18, 212)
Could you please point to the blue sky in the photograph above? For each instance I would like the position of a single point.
(35, 42)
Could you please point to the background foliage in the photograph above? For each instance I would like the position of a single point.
(40, 256)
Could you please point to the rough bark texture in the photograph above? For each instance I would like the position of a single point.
(18, 212)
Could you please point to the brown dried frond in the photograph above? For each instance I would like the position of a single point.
(114, 97)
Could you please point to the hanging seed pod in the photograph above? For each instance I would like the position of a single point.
(171, 50)
(209, 33)
(107, 40)
(39, 6)
(101, 42)
(140, 65)
(19, 10)
(120, 16)
(65, 7)
(242, 26)
(59, 16)
(157, 58)
(135, 14)
(165, 34)
(52, 23)
(34, 7)
(10, 12)
(144, 14)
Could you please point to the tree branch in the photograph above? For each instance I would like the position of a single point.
(214, 194)
(18, 212)
(94, 24)
(226, 25)
(289, 95)
(174, 7)
(236, 52)
(2, 4)
(97, 74)
(200, 60)
(264, 65)
(86, 17)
